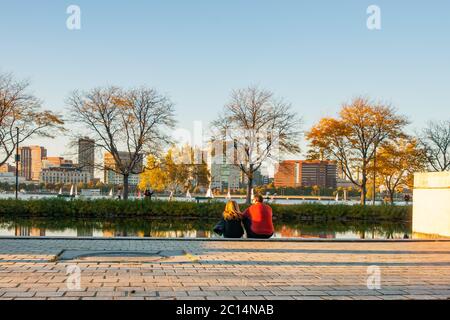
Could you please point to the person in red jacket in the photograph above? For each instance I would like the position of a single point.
(258, 219)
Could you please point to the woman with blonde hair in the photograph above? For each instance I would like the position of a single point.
(231, 224)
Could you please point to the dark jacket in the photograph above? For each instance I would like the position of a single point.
(233, 229)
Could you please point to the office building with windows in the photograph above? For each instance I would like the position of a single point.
(306, 173)
(112, 177)
(30, 165)
(86, 155)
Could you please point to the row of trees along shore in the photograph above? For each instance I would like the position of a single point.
(367, 139)
(369, 143)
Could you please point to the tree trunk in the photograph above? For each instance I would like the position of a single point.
(391, 196)
(363, 186)
(125, 187)
(374, 198)
(249, 190)
(249, 185)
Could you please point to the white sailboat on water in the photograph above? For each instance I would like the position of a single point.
(76, 191)
(228, 195)
(60, 191)
(209, 193)
(188, 195)
(71, 191)
(337, 196)
(111, 193)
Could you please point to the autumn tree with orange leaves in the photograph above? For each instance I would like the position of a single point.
(397, 161)
(352, 138)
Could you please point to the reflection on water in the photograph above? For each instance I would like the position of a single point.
(163, 228)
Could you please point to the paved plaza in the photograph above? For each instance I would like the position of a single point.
(202, 269)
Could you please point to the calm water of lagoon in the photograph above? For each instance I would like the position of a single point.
(164, 228)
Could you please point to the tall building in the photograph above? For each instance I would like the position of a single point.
(111, 177)
(225, 176)
(305, 173)
(30, 165)
(86, 155)
(223, 167)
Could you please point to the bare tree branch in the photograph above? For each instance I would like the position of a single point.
(127, 124)
(22, 110)
(435, 141)
(260, 127)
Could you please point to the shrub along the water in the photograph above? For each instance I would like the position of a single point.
(106, 208)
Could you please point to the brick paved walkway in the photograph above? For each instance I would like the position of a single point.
(177, 269)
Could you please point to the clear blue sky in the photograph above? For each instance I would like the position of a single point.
(316, 54)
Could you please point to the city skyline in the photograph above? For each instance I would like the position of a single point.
(299, 50)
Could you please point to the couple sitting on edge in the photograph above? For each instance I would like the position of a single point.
(256, 220)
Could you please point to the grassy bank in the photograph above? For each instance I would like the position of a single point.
(112, 209)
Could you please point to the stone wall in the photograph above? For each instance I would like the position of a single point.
(431, 212)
